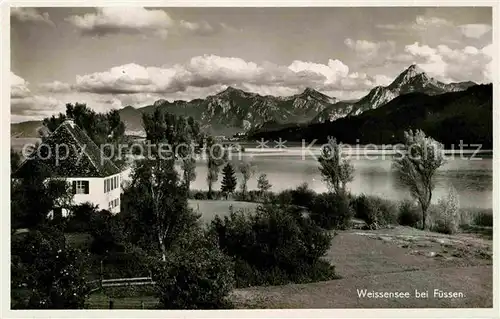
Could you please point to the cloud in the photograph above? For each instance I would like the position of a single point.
(18, 86)
(132, 20)
(452, 33)
(367, 50)
(25, 104)
(56, 87)
(137, 20)
(211, 70)
(24, 14)
(421, 23)
(332, 72)
(474, 30)
(453, 65)
(198, 77)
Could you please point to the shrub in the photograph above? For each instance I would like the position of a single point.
(484, 218)
(79, 219)
(445, 216)
(196, 194)
(200, 276)
(409, 214)
(46, 273)
(303, 196)
(332, 211)
(126, 264)
(375, 211)
(476, 217)
(276, 245)
(285, 197)
(108, 232)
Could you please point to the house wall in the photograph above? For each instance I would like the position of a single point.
(96, 195)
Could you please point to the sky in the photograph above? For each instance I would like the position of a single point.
(113, 57)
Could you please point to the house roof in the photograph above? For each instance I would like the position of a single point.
(68, 152)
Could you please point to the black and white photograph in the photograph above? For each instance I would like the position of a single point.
(229, 158)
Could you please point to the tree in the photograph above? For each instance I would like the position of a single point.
(247, 171)
(182, 135)
(216, 157)
(336, 172)
(448, 219)
(157, 210)
(33, 197)
(46, 273)
(417, 165)
(229, 181)
(196, 275)
(263, 184)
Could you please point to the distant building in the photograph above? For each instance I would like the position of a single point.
(94, 178)
(239, 134)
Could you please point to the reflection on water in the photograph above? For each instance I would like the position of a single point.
(472, 178)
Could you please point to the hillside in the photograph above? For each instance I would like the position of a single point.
(234, 110)
(449, 118)
(410, 80)
(25, 129)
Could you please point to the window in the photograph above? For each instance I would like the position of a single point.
(80, 187)
(114, 203)
(111, 183)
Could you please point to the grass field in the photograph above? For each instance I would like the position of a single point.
(389, 260)
(210, 208)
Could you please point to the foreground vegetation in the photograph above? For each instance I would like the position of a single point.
(285, 239)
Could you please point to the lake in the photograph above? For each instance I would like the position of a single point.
(473, 179)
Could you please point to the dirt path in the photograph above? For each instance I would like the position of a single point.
(396, 260)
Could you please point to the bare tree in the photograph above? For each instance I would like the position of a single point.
(335, 170)
(417, 165)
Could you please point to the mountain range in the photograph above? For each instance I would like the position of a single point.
(234, 110)
(449, 118)
(413, 79)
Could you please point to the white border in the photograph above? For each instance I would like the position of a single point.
(295, 313)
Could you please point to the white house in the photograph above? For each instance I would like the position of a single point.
(71, 155)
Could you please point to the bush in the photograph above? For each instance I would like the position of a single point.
(127, 264)
(282, 198)
(197, 277)
(484, 218)
(79, 219)
(332, 211)
(375, 211)
(249, 196)
(196, 194)
(445, 217)
(108, 232)
(476, 217)
(303, 196)
(409, 215)
(276, 245)
(46, 273)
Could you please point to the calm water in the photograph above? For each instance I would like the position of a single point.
(473, 179)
